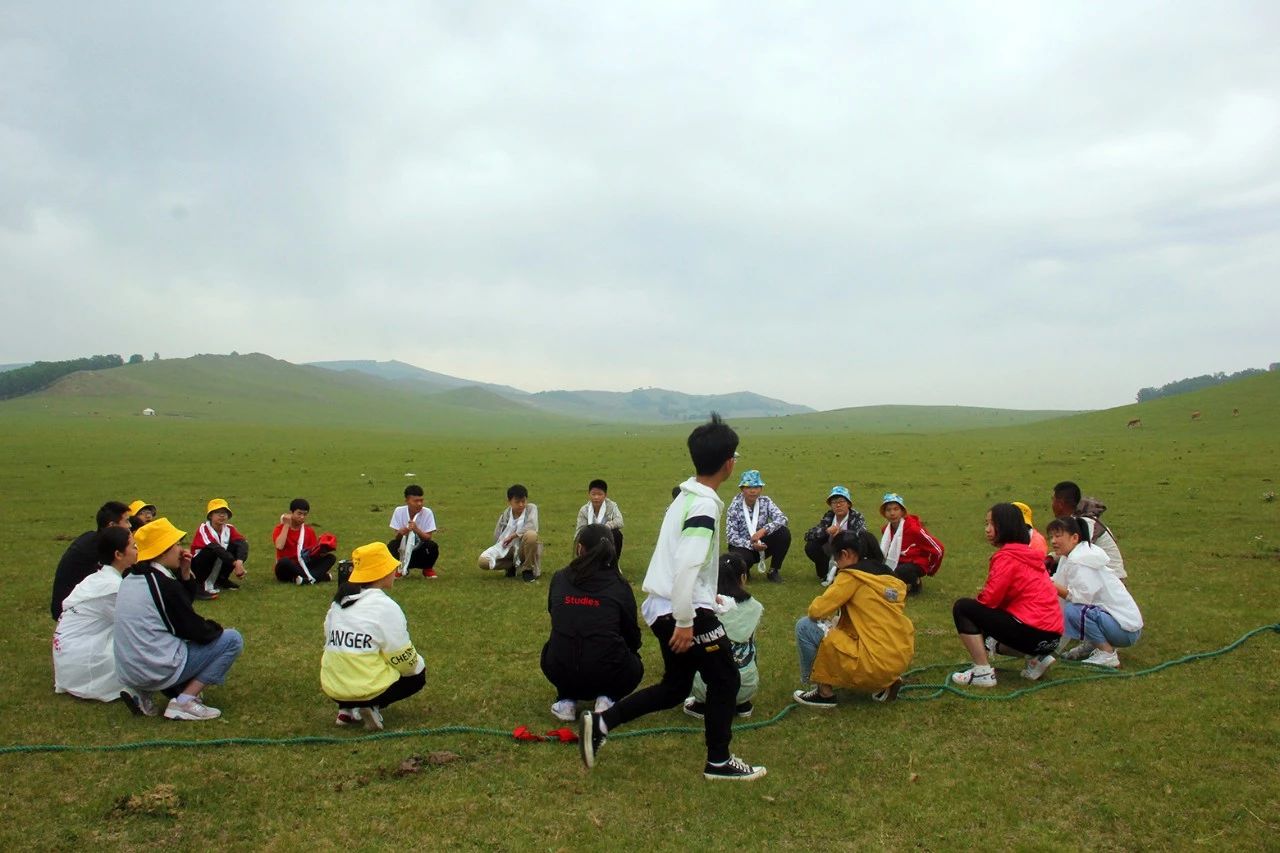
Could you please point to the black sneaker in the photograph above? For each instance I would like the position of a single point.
(511, 572)
(695, 709)
(528, 576)
(205, 595)
(814, 698)
(590, 738)
(773, 576)
(744, 710)
(228, 584)
(734, 769)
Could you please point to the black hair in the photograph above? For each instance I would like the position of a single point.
(305, 505)
(110, 513)
(110, 541)
(675, 492)
(598, 552)
(598, 484)
(1072, 525)
(729, 582)
(413, 490)
(846, 540)
(517, 491)
(1067, 492)
(711, 445)
(1009, 525)
(869, 547)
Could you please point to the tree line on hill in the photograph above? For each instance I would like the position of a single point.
(41, 374)
(1195, 383)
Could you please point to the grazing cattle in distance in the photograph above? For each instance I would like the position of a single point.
(1195, 416)
(1136, 422)
(1235, 413)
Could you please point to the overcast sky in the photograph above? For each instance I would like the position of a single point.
(1032, 205)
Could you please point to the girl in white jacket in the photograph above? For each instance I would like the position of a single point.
(1097, 608)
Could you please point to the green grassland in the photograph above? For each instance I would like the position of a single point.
(1185, 758)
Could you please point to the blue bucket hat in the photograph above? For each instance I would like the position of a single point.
(892, 498)
(750, 479)
(839, 492)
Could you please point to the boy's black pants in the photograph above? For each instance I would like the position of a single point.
(402, 688)
(424, 556)
(776, 545)
(709, 656)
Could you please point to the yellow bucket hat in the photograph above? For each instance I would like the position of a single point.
(217, 503)
(139, 505)
(155, 538)
(372, 561)
(1026, 513)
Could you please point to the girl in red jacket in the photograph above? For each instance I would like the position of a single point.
(1017, 609)
(908, 548)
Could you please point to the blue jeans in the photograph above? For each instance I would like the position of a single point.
(209, 663)
(808, 637)
(1095, 626)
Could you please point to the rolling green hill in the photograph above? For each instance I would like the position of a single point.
(906, 419)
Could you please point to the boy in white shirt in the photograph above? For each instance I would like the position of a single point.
(681, 583)
(415, 527)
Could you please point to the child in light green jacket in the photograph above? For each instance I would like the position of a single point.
(740, 615)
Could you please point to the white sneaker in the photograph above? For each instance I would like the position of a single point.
(139, 703)
(974, 679)
(372, 718)
(1080, 652)
(193, 710)
(565, 710)
(1111, 660)
(603, 703)
(297, 579)
(1038, 666)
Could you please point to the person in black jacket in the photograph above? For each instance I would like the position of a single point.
(595, 638)
(81, 557)
(839, 516)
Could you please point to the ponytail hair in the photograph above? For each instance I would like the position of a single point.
(732, 568)
(869, 547)
(598, 552)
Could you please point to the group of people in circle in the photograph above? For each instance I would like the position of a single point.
(128, 627)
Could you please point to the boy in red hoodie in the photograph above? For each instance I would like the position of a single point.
(908, 548)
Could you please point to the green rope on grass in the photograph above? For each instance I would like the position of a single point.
(934, 691)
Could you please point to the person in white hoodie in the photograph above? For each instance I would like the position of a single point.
(1097, 608)
(680, 610)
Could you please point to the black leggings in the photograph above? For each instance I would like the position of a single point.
(776, 545)
(423, 557)
(614, 682)
(403, 688)
(974, 618)
(710, 657)
(815, 550)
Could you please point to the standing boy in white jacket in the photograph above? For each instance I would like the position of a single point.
(680, 610)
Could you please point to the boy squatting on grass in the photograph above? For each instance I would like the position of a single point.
(515, 537)
(415, 527)
(218, 544)
(301, 556)
(680, 610)
(600, 510)
(81, 557)
(369, 660)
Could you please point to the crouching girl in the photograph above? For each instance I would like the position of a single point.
(369, 660)
(1097, 608)
(873, 641)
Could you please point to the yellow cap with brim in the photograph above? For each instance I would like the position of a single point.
(217, 503)
(372, 561)
(139, 505)
(1026, 513)
(155, 538)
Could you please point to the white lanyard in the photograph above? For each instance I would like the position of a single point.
(752, 516)
(210, 536)
(592, 518)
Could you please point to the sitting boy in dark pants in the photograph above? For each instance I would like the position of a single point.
(681, 582)
(301, 556)
(415, 524)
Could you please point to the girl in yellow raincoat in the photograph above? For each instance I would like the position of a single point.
(856, 634)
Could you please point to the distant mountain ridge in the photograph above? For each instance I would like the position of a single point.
(643, 405)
